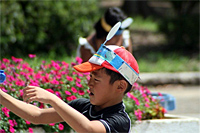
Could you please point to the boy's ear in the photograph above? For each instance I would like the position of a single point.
(122, 85)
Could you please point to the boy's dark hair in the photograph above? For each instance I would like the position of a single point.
(111, 16)
(117, 76)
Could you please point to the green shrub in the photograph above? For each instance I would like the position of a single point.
(38, 26)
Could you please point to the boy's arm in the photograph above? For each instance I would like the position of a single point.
(28, 111)
(74, 118)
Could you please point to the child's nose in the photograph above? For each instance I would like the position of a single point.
(90, 83)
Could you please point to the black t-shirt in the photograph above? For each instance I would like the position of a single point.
(114, 118)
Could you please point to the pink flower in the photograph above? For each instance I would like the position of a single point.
(58, 94)
(38, 76)
(73, 64)
(12, 130)
(160, 94)
(50, 90)
(60, 126)
(70, 98)
(21, 93)
(81, 92)
(58, 76)
(2, 131)
(144, 95)
(74, 73)
(10, 78)
(55, 82)
(146, 99)
(134, 98)
(56, 65)
(11, 123)
(45, 79)
(138, 114)
(74, 90)
(16, 74)
(52, 124)
(137, 102)
(34, 83)
(6, 111)
(41, 105)
(88, 77)
(30, 130)
(164, 110)
(20, 82)
(27, 122)
(69, 78)
(16, 60)
(153, 99)
(32, 55)
(78, 84)
(6, 60)
(79, 60)
(65, 64)
(67, 93)
(3, 66)
(80, 74)
(15, 123)
(63, 73)
(43, 62)
(147, 90)
(147, 105)
(3, 89)
(78, 80)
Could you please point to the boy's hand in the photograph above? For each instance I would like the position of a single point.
(33, 93)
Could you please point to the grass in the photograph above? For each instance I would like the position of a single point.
(144, 24)
(170, 62)
(48, 59)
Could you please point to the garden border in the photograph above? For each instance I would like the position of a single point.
(170, 124)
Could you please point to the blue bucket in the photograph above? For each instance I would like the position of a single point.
(166, 100)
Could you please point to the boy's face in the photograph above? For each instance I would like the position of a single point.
(102, 93)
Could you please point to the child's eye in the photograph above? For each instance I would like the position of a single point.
(96, 79)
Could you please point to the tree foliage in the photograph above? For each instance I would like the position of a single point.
(178, 20)
(182, 28)
(45, 26)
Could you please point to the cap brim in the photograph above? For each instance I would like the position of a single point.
(87, 67)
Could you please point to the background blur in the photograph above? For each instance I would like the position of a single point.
(165, 35)
(53, 27)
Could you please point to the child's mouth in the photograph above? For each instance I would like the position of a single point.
(91, 94)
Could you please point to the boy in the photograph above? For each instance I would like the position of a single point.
(113, 71)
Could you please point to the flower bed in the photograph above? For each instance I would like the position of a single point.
(60, 78)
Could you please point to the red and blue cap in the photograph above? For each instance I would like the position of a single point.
(115, 58)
